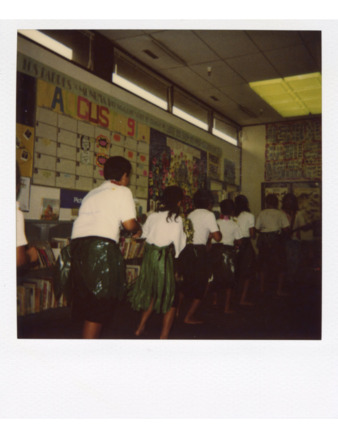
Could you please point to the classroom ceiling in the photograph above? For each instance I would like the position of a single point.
(216, 66)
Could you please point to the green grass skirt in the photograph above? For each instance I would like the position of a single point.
(156, 280)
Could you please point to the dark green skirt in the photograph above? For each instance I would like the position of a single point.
(156, 280)
(98, 278)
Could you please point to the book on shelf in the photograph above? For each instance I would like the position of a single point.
(132, 247)
(46, 256)
(36, 295)
(132, 273)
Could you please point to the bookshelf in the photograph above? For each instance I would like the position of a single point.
(35, 293)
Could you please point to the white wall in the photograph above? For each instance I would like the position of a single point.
(253, 165)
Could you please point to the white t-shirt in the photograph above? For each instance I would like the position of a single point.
(271, 220)
(103, 210)
(204, 223)
(157, 230)
(21, 239)
(230, 231)
(245, 221)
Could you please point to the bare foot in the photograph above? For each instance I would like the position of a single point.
(139, 332)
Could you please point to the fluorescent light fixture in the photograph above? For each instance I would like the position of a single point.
(48, 42)
(292, 96)
(124, 83)
(224, 136)
(179, 113)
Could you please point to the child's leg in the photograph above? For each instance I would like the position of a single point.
(245, 289)
(228, 295)
(91, 330)
(167, 323)
(189, 318)
(145, 316)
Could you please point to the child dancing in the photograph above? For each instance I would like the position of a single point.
(97, 268)
(223, 255)
(245, 266)
(271, 224)
(194, 259)
(154, 289)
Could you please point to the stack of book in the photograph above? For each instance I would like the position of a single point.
(132, 248)
(35, 295)
(45, 254)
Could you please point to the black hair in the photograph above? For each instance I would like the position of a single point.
(241, 204)
(115, 167)
(271, 200)
(171, 197)
(290, 202)
(203, 199)
(227, 207)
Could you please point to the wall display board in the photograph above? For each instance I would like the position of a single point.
(175, 163)
(76, 127)
(293, 150)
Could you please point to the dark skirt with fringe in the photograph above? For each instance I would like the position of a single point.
(222, 265)
(246, 260)
(193, 266)
(98, 278)
(156, 280)
(271, 252)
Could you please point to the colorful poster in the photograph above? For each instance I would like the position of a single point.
(293, 151)
(175, 163)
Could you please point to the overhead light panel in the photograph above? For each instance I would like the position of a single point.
(135, 89)
(48, 42)
(292, 96)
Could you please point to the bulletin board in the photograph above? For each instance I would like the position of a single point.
(75, 128)
(293, 150)
(173, 162)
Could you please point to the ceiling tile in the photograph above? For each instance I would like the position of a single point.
(272, 39)
(137, 46)
(186, 45)
(228, 43)
(292, 60)
(220, 75)
(186, 78)
(253, 67)
(118, 34)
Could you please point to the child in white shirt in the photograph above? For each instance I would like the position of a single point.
(194, 258)
(223, 254)
(271, 223)
(155, 287)
(246, 259)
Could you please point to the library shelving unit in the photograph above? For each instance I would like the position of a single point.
(36, 303)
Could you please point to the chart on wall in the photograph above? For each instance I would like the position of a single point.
(293, 151)
(175, 163)
(72, 138)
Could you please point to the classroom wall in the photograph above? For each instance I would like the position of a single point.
(160, 119)
(253, 165)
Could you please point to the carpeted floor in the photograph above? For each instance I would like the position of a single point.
(293, 317)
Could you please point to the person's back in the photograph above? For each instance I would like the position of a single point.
(161, 230)
(103, 210)
(271, 220)
(230, 231)
(204, 223)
